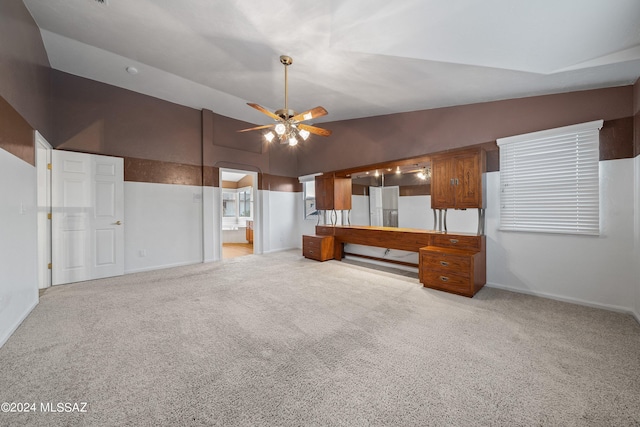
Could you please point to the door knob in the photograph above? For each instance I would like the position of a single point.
(118, 223)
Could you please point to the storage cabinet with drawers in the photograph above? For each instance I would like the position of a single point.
(319, 248)
(457, 264)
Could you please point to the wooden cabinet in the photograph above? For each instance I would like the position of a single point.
(333, 193)
(319, 248)
(452, 269)
(249, 231)
(456, 179)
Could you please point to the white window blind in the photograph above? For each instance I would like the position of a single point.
(549, 180)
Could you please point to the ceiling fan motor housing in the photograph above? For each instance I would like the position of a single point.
(286, 114)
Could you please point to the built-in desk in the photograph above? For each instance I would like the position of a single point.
(453, 262)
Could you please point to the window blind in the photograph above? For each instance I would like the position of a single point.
(549, 180)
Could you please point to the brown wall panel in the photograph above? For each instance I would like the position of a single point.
(211, 176)
(377, 139)
(224, 146)
(616, 139)
(98, 118)
(154, 171)
(25, 75)
(359, 189)
(279, 183)
(415, 190)
(16, 136)
(636, 118)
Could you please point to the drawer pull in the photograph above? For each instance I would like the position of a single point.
(444, 278)
(454, 241)
(445, 263)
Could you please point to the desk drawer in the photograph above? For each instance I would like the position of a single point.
(457, 241)
(319, 248)
(446, 263)
(447, 282)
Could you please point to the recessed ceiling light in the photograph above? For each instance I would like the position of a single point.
(132, 70)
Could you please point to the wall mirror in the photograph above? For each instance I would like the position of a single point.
(393, 194)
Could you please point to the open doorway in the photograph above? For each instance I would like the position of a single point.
(238, 212)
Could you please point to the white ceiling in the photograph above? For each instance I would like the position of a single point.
(357, 58)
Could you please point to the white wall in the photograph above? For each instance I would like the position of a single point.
(636, 257)
(163, 225)
(211, 223)
(593, 270)
(282, 217)
(18, 242)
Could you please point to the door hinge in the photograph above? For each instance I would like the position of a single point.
(49, 215)
(49, 166)
(49, 266)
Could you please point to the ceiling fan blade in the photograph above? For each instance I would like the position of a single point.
(314, 130)
(310, 114)
(256, 128)
(264, 110)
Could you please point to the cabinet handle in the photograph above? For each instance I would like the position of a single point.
(457, 182)
(453, 241)
(451, 181)
(444, 263)
(444, 278)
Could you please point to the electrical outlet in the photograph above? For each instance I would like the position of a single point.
(143, 252)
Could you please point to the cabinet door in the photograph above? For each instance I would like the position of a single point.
(442, 194)
(468, 181)
(342, 193)
(324, 193)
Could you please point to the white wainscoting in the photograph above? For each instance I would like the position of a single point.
(590, 270)
(163, 225)
(18, 244)
(636, 256)
(282, 218)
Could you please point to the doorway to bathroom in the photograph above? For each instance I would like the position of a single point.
(238, 189)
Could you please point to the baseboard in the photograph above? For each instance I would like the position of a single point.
(162, 267)
(273, 251)
(17, 324)
(577, 301)
(636, 316)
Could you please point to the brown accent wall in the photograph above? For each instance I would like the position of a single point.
(94, 117)
(616, 139)
(636, 118)
(278, 183)
(397, 136)
(211, 176)
(415, 190)
(359, 189)
(155, 171)
(223, 146)
(24, 67)
(16, 136)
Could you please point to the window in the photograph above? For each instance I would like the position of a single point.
(237, 203)
(244, 202)
(229, 203)
(549, 180)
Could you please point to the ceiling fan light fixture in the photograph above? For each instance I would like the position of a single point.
(293, 141)
(280, 129)
(269, 136)
(304, 134)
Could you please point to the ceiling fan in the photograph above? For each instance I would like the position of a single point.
(289, 127)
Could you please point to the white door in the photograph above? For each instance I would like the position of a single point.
(87, 198)
(375, 205)
(43, 158)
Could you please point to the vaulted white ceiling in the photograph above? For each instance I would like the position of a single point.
(357, 58)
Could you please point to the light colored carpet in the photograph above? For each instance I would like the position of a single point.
(280, 340)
